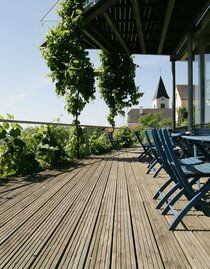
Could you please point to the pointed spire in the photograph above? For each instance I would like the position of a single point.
(161, 90)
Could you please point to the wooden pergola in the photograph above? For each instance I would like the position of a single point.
(153, 27)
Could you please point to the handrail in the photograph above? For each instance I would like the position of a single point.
(52, 123)
(89, 3)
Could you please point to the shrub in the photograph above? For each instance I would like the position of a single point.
(14, 157)
(124, 135)
(50, 145)
(71, 145)
(98, 143)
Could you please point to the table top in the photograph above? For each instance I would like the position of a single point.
(197, 138)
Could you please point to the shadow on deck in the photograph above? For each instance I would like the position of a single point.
(98, 213)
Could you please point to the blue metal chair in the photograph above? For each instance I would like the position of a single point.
(166, 165)
(146, 149)
(196, 198)
(157, 158)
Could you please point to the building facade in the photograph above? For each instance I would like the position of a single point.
(182, 97)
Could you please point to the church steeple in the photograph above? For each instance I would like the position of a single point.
(161, 98)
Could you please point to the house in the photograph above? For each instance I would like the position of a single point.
(181, 94)
(160, 103)
(135, 114)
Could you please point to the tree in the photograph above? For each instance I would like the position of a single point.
(116, 83)
(68, 61)
(154, 120)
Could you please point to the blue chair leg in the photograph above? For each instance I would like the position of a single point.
(158, 171)
(151, 163)
(186, 209)
(175, 198)
(167, 195)
(172, 202)
(141, 156)
(151, 166)
(165, 185)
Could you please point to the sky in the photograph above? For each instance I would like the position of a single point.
(28, 94)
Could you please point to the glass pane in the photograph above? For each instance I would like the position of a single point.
(207, 88)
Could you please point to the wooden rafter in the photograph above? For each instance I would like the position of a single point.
(167, 19)
(99, 8)
(115, 31)
(98, 39)
(136, 11)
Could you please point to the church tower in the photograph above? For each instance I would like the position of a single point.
(161, 98)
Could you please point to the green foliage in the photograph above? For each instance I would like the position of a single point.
(24, 151)
(125, 136)
(98, 143)
(14, 157)
(68, 61)
(47, 142)
(153, 120)
(76, 136)
(116, 83)
(182, 116)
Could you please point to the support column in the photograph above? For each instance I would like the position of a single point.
(173, 69)
(202, 81)
(190, 83)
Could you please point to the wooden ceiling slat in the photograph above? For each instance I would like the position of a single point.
(136, 11)
(95, 37)
(97, 9)
(115, 31)
(158, 26)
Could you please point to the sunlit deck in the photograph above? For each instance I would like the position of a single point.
(98, 213)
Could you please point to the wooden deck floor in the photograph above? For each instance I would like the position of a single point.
(96, 214)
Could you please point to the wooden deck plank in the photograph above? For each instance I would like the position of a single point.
(170, 251)
(63, 236)
(123, 251)
(41, 221)
(99, 254)
(80, 244)
(147, 251)
(97, 215)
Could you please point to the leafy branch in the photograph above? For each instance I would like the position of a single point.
(116, 83)
(70, 66)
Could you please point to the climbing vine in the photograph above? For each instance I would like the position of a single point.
(116, 83)
(70, 66)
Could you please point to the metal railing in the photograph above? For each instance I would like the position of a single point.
(89, 3)
(53, 123)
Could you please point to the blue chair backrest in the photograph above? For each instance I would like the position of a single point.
(161, 152)
(175, 166)
(139, 138)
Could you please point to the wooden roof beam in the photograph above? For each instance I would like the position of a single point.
(136, 11)
(99, 8)
(115, 31)
(167, 19)
(98, 39)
